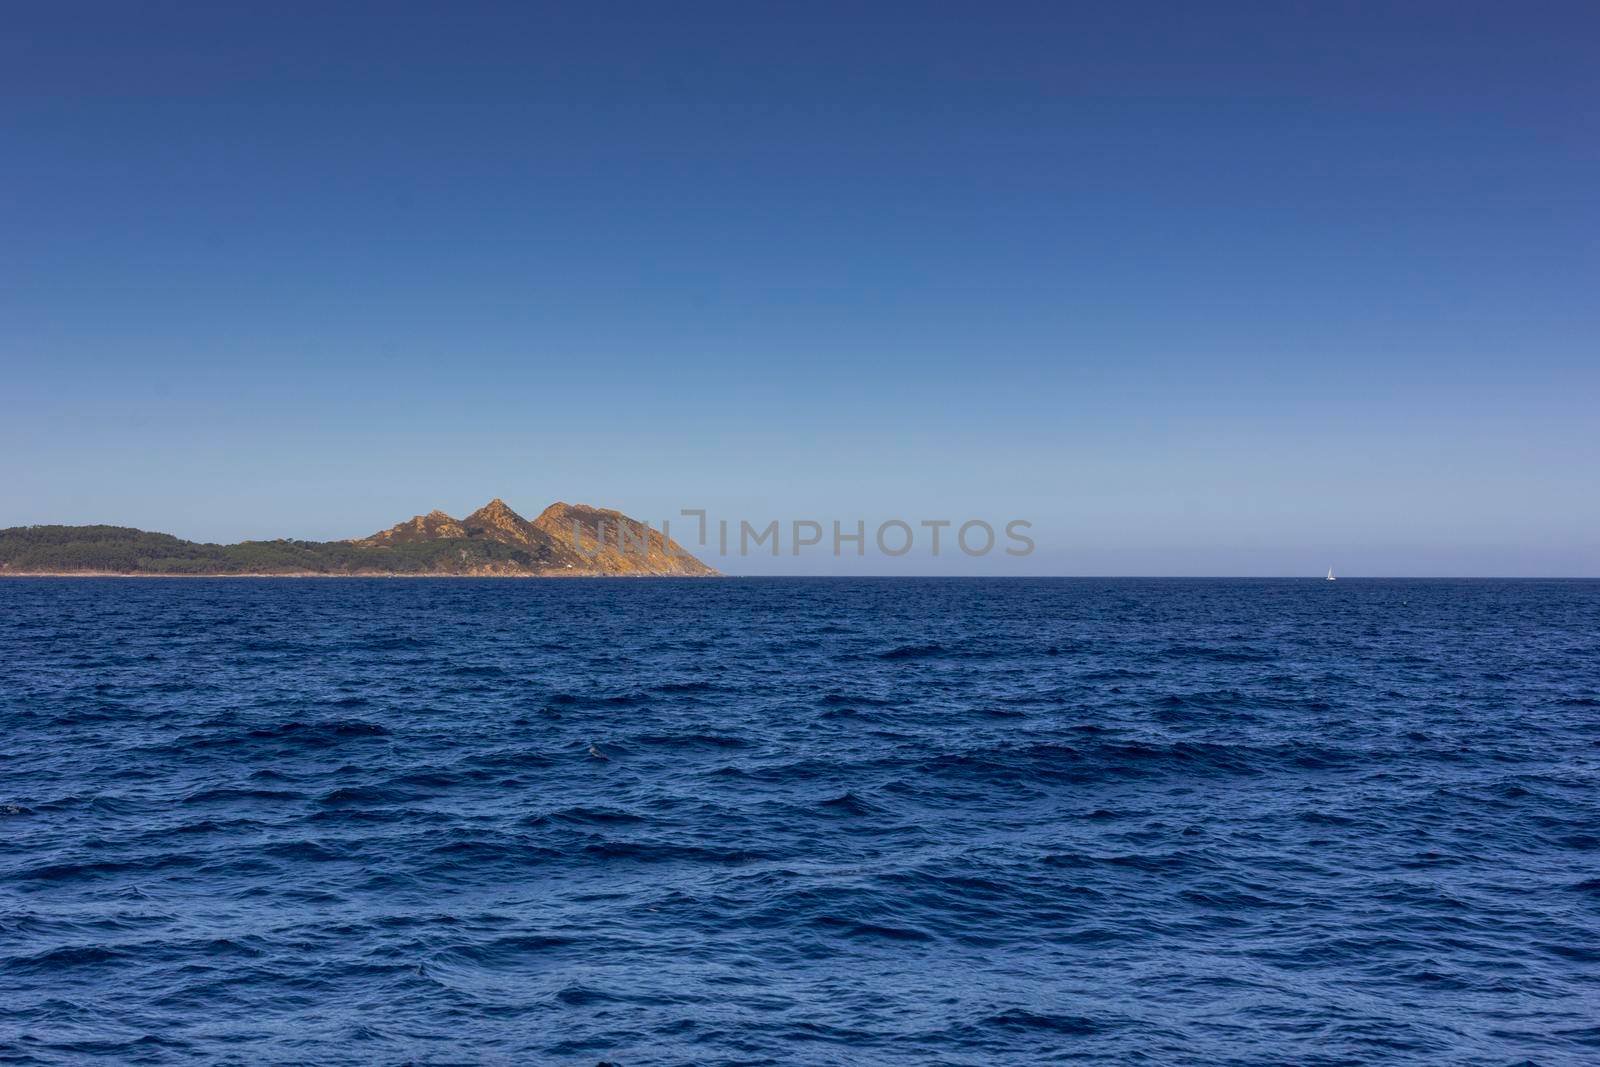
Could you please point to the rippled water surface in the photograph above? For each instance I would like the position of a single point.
(798, 822)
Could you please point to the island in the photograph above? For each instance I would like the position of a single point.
(565, 541)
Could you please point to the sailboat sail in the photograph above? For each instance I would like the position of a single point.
(1330, 575)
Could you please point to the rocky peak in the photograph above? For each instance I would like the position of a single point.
(433, 526)
(562, 513)
(495, 512)
(498, 522)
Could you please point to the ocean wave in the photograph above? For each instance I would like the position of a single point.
(799, 822)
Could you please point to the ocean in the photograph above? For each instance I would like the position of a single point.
(797, 821)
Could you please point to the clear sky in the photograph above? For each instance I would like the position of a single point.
(1196, 288)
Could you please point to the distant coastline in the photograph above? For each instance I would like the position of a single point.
(565, 541)
(570, 575)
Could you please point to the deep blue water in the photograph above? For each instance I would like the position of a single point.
(799, 821)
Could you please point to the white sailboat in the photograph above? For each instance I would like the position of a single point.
(1331, 578)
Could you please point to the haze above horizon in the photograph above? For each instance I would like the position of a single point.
(1242, 288)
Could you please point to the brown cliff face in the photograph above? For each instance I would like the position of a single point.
(611, 543)
(565, 540)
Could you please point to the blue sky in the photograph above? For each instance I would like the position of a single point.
(1197, 289)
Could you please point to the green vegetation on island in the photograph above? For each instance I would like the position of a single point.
(123, 550)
